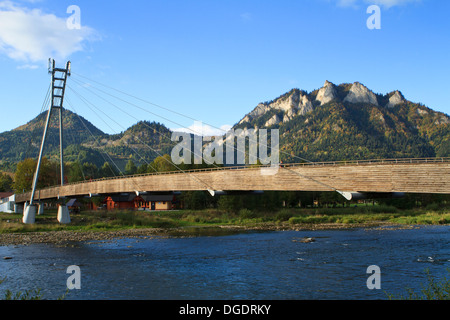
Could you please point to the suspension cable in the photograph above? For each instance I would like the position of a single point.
(120, 109)
(143, 109)
(95, 138)
(164, 108)
(87, 104)
(171, 163)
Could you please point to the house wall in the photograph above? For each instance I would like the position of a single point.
(7, 204)
(163, 205)
(111, 205)
(159, 205)
(125, 205)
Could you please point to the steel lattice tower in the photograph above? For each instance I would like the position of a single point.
(59, 79)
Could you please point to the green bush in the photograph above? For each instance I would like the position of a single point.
(313, 219)
(433, 207)
(247, 214)
(284, 215)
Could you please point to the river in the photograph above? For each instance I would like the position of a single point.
(239, 266)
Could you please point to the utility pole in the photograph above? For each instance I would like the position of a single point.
(59, 79)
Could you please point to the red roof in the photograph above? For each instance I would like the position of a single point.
(5, 194)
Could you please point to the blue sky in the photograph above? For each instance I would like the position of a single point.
(214, 61)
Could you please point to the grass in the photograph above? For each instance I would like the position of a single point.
(414, 218)
(117, 220)
(34, 294)
(86, 221)
(27, 295)
(372, 214)
(434, 289)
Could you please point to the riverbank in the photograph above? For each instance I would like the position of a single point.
(68, 237)
(104, 225)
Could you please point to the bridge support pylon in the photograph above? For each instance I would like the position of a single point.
(40, 209)
(29, 215)
(59, 79)
(63, 214)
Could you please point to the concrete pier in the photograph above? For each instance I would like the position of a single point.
(63, 215)
(29, 216)
(41, 209)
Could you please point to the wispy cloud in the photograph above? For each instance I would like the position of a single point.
(31, 36)
(392, 3)
(28, 66)
(384, 3)
(246, 16)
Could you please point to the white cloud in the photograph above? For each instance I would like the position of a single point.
(30, 35)
(205, 130)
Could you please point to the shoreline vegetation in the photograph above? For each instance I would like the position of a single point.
(108, 225)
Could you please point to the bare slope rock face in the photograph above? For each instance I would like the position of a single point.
(361, 94)
(395, 98)
(327, 93)
(291, 104)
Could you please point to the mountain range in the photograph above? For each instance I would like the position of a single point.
(336, 122)
(350, 122)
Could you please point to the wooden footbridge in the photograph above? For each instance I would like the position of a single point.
(347, 177)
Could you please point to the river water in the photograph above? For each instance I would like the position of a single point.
(239, 266)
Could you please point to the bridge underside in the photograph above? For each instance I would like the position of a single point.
(421, 177)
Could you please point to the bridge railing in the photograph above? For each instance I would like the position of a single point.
(282, 165)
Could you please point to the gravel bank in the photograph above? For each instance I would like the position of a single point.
(73, 236)
(60, 237)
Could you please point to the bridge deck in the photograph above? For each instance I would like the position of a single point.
(396, 175)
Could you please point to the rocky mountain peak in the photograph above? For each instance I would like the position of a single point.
(326, 93)
(361, 94)
(293, 103)
(395, 99)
